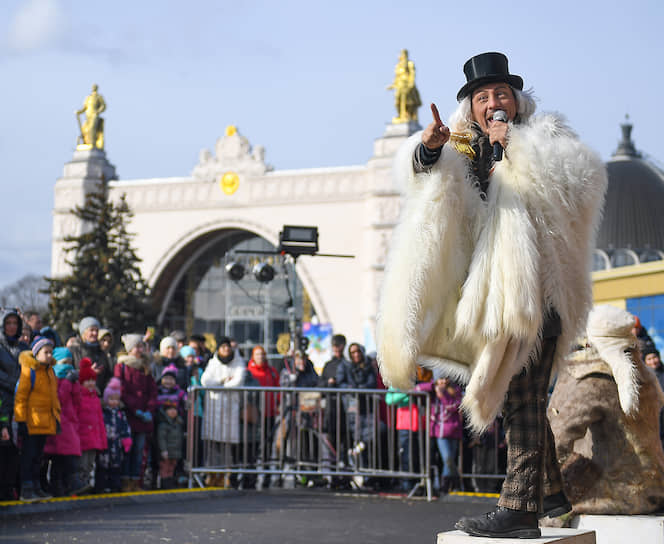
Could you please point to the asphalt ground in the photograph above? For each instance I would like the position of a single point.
(196, 516)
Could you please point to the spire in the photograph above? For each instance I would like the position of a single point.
(626, 145)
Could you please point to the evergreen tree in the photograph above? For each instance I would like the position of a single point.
(105, 280)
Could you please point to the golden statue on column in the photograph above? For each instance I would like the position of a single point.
(406, 96)
(92, 129)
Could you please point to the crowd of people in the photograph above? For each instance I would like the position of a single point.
(77, 416)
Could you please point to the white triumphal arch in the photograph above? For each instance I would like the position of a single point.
(233, 195)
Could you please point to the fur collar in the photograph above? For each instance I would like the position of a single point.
(133, 362)
(27, 359)
(468, 281)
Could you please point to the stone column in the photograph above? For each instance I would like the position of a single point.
(383, 205)
(84, 173)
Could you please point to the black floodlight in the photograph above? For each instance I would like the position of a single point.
(298, 240)
(235, 271)
(263, 272)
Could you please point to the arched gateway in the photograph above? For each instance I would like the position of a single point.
(185, 228)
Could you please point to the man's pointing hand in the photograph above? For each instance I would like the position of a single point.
(436, 134)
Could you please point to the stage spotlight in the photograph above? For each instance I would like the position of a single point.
(298, 240)
(263, 272)
(235, 271)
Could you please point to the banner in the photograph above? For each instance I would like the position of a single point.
(320, 343)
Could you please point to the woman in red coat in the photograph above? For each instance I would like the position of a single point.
(139, 396)
(267, 376)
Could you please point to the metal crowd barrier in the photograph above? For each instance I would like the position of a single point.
(271, 436)
(484, 459)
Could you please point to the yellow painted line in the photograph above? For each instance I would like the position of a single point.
(113, 495)
(473, 494)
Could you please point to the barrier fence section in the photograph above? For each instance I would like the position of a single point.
(482, 460)
(271, 436)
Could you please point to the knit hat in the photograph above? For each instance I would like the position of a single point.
(222, 340)
(186, 351)
(130, 341)
(114, 388)
(86, 323)
(38, 343)
(85, 371)
(650, 348)
(105, 332)
(62, 355)
(51, 334)
(170, 370)
(167, 342)
(179, 335)
(169, 404)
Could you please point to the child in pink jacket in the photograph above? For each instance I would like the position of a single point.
(64, 449)
(91, 428)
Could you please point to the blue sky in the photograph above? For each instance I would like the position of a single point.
(304, 79)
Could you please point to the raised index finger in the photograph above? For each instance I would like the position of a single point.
(436, 115)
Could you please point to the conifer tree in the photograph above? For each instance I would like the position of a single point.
(105, 280)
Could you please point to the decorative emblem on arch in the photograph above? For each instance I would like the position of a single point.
(229, 182)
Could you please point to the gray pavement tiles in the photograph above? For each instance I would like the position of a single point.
(280, 516)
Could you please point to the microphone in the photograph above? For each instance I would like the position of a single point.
(498, 115)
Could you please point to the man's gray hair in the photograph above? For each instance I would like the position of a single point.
(462, 119)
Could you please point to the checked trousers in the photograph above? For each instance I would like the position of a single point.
(532, 467)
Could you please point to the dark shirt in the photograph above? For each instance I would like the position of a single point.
(330, 371)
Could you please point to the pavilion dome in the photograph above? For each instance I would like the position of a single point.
(632, 227)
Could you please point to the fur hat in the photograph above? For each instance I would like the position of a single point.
(86, 323)
(167, 342)
(38, 343)
(85, 371)
(130, 341)
(186, 351)
(170, 370)
(62, 355)
(114, 388)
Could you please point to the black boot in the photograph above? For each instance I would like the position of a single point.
(445, 485)
(555, 505)
(501, 523)
(455, 484)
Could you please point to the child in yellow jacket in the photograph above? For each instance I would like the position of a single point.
(37, 412)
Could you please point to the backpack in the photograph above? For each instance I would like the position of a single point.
(32, 381)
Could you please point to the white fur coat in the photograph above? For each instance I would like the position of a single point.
(467, 281)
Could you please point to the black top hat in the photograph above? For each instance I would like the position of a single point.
(487, 68)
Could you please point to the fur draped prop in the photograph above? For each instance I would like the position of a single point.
(468, 281)
(610, 333)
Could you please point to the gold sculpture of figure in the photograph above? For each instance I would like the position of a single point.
(406, 96)
(92, 129)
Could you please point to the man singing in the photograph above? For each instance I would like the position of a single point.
(488, 277)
